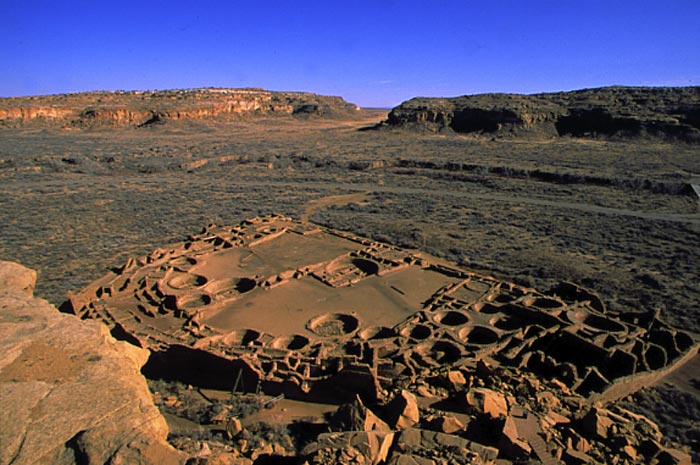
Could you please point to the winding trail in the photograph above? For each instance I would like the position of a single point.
(366, 189)
(337, 200)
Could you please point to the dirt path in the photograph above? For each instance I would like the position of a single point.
(337, 200)
(685, 378)
(369, 188)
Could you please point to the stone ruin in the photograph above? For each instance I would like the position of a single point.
(318, 314)
(284, 307)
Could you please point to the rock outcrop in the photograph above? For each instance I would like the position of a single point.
(135, 108)
(668, 112)
(69, 392)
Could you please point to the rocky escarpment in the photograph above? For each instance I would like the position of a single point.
(668, 112)
(137, 108)
(69, 392)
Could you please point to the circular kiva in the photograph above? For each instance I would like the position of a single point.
(478, 286)
(478, 335)
(485, 307)
(419, 332)
(243, 285)
(376, 332)
(510, 323)
(293, 342)
(594, 321)
(183, 263)
(439, 351)
(333, 324)
(367, 267)
(451, 318)
(546, 303)
(239, 285)
(186, 281)
(193, 301)
(241, 337)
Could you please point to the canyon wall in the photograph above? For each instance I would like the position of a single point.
(667, 112)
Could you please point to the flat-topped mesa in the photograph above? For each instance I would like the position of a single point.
(142, 108)
(316, 313)
(667, 112)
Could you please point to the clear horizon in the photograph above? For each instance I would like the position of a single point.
(374, 54)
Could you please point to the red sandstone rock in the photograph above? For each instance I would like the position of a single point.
(447, 424)
(487, 402)
(456, 379)
(511, 444)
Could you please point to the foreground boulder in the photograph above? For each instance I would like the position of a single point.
(69, 392)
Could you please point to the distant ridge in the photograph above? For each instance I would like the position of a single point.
(616, 111)
(143, 108)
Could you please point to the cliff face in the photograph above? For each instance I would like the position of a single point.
(611, 111)
(142, 108)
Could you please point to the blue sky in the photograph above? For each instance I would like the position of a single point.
(373, 53)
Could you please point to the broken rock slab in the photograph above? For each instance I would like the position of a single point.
(370, 447)
(488, 402)
(355, 416)
(403, 411)
(448, 424)
(69, 392)
(597, 423)
(431, 444)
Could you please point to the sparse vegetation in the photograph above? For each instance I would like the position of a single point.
(188, 402)
(676, 412)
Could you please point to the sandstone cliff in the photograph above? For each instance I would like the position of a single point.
(668, 112)
(136, 108)
(69, 392)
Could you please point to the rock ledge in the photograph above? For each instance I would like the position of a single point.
(69, 392)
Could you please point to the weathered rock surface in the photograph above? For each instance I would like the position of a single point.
(90, 109)
(669, 112)
(69, 392)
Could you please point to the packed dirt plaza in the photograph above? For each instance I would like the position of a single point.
(488, 279)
